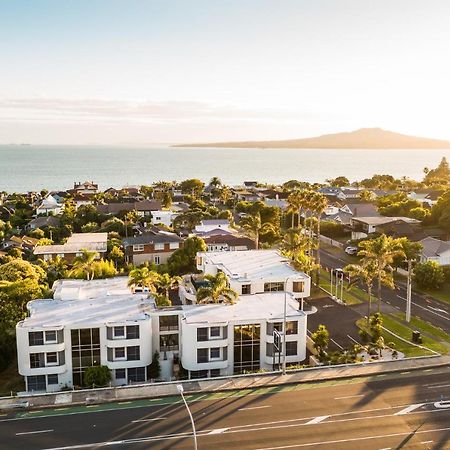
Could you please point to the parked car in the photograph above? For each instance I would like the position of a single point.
(350, 250)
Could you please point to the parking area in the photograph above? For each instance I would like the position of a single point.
(339, 320)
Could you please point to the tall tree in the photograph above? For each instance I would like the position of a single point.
(85, 264)
(143, 277)
(217, 290)
(253, 225)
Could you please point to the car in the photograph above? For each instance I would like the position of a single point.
(350, 250)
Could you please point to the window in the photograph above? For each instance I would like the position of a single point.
(199, 261)
(85, 352)
(202, 355)
(168, 342)
(174, 245)
(246, 289)
(119, 332)
(292, 327)
(119, 353)
(36, 383)
(214, 353)
(214, 373)
(195, 374)
(246, 347)
(133, 353)
(52, 359)
(299, 286)
(202, 334)
(133, 332)
(138, 247)
(168, 323)
(214, 332)
(52, 379)
(136, 374)
(36, 338)
(274, 287)
(159, 246)
(291, 348)
(274, 326)
(37, 360)
(50, 337)
(157, 259)
(120, 374)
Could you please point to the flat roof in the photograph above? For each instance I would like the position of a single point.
(90, 289)
(87, 237)
(268, 306)
(253, 265)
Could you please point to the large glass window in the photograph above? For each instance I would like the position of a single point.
(168, 323)
(36, 383)
(52, 378)
(246, 289)
(292, 327)
(85, 352)
(120, 374)
(133, 353)
(291, 348)
(202, 355)
(299, 286)
(37, 360)
(274, 326)
(274, 286)
(36, 338)
(202, 334)
(136, 374)
(168, 342)
(133, 332)
(246, 347)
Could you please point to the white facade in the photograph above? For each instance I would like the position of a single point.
(435, 250)
(49, 206)
(213, 224)
(256, 271)
(97, 322)
(163, 217)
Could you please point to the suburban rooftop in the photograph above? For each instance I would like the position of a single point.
(253, 265)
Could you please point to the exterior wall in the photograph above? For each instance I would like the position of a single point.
(64, 371)
(139, 258)
(443, 259)
(149, 253)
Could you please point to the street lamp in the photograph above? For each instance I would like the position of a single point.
(181, 390)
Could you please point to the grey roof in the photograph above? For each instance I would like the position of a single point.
(215, 222)
(45, 221)
(152, 238)
(434, 247)
(363, 209)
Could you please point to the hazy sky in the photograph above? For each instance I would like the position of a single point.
(91, 71)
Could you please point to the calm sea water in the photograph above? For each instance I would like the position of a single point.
(25, 168)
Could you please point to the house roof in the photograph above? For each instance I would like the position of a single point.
(94, 242)
(148, 205)
(249, 265)
(268, 306)
(215, 222)
(382, 220)
(231, 240)
(45, 221)
(152, 238)
(433, 247)
(363, 209)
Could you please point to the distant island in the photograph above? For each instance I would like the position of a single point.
(365, 138)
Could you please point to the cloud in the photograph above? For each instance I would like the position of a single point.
(57, 110)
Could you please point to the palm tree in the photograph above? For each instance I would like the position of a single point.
(367, 273)
(143, 277)
(217, 291)
(165, 282)
(253, 225)
(294, 242)
(381, 252)
(319, 205)
(293, 206)
(85, 263)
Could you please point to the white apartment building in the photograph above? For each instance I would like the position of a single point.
(101, 322)
(256, 272)
(88, 323)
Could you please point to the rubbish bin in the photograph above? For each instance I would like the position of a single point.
(416, 338)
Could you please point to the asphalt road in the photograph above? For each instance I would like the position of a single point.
(424, 307)
(391, 411)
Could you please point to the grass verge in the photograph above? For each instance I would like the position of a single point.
(350, 297)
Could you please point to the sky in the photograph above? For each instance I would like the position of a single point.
(171, 71)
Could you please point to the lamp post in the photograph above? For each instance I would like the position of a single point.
(181, 390)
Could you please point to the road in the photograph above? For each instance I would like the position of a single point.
(391, 411)
(426, 308)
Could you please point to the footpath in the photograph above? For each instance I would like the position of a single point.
(155, 390)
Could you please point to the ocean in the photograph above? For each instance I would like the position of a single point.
(28, 167)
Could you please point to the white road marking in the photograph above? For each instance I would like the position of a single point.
(408, 409)
(218, 431)
(148, 420)
(426, 309)
(438, 386)
(253, 407)
(33, 432)
(317, 420)
(364, 438)
(340, 346)
(438, 309)
(349, 396)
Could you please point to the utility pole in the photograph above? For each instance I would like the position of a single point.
(408, 292)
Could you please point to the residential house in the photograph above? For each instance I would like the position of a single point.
(43, 222)
(49, 206)
(88, 187)
(75, 244)
(363, 226)
(153, 247)
(25, 243)
(208, 225)
(435, 250)
(228, 242)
